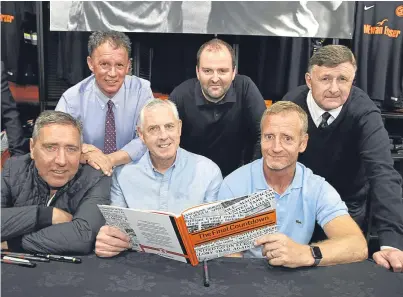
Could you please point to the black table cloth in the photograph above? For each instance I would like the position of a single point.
(136, 274)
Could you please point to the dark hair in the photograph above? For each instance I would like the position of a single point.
(331, 56)
(49, 117)
(116, 39)
(216, 45)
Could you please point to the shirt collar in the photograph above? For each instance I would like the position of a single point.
(177, 162)
(316, 111)
(261, 184)
(230, 96)
(103, 99)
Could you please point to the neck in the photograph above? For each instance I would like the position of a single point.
(279, 180)
(162, 165)
(110, 96)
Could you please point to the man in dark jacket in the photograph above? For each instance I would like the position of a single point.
(10, 118)
(48, 200)
(349, 146)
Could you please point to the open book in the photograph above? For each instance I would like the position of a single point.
(200, 233)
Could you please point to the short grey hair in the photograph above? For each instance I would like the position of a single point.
(154, 102)
(116, 39)
(286, 107)
(50, 117)
(332, 55)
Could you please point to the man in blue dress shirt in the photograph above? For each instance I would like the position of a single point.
(108, 103)
(302, 197)
(167, 178)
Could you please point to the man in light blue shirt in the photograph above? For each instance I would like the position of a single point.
(302, 197)
(108, 103)
(167, 178)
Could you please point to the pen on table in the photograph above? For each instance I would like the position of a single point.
(24, 256)
(205, 274)
(24, 264)
(60, 258)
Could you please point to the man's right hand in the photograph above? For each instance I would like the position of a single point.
(111, 241)
(60, 216)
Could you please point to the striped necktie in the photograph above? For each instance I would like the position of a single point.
(324, 123)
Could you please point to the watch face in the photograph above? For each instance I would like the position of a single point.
(316, 253)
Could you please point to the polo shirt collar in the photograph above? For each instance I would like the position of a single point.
(230, 96)
(260, 181)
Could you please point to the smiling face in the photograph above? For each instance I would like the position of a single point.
(331, 86)
(282, 141)
(160, 132)
(215, 73)
(110, 65)
(56, 152)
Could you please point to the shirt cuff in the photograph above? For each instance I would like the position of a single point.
(384, 247)
(45, 215)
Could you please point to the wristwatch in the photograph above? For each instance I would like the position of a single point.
(316, 254)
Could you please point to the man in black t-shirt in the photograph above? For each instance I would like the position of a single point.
(220, 110)
(349, 146)
(378, 46)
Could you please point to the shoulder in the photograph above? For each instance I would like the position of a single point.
(133, 82)
(244, 173)
(186, 87)
(201, 163)
(360, 103)
(80, 88)
(91, 176)
(17, 167)
(296, 94)
(313, 186)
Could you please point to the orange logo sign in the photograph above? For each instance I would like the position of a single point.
(381, 29)
(5, 18)
(399, 11)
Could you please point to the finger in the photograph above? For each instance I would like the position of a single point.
(395, 261)
(380, 260)
(111, 244)
(115, 232)
(93, 164)
(106, 254)
(277, 261)
(271, 246)
(268, 238)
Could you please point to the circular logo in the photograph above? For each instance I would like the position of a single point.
(399, 11)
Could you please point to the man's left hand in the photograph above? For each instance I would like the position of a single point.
(390, 258)
(280, 250)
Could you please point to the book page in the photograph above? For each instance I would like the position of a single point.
(231, 226)
(152, 232)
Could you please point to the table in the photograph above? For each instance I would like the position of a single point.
(134, 274)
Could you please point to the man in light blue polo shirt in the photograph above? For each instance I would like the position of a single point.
(302, 197)
(108, 103)
(167, 178)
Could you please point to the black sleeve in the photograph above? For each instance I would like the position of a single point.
(17, 221)
(77, 236)
(385, 182)
(10, 118)
(255, 106)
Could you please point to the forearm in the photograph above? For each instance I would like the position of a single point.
(17, 221)
(119, 158)
(346, 249)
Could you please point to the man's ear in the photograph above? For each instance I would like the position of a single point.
(140, 133)
(180, 127)
(235, 72)
(197, 72)
(308, 80)
(90, 64)
(304, 143)
(31, 148)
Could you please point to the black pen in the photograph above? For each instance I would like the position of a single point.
(205, 274)
(24, 256)
(24, 264)
(60, 258)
